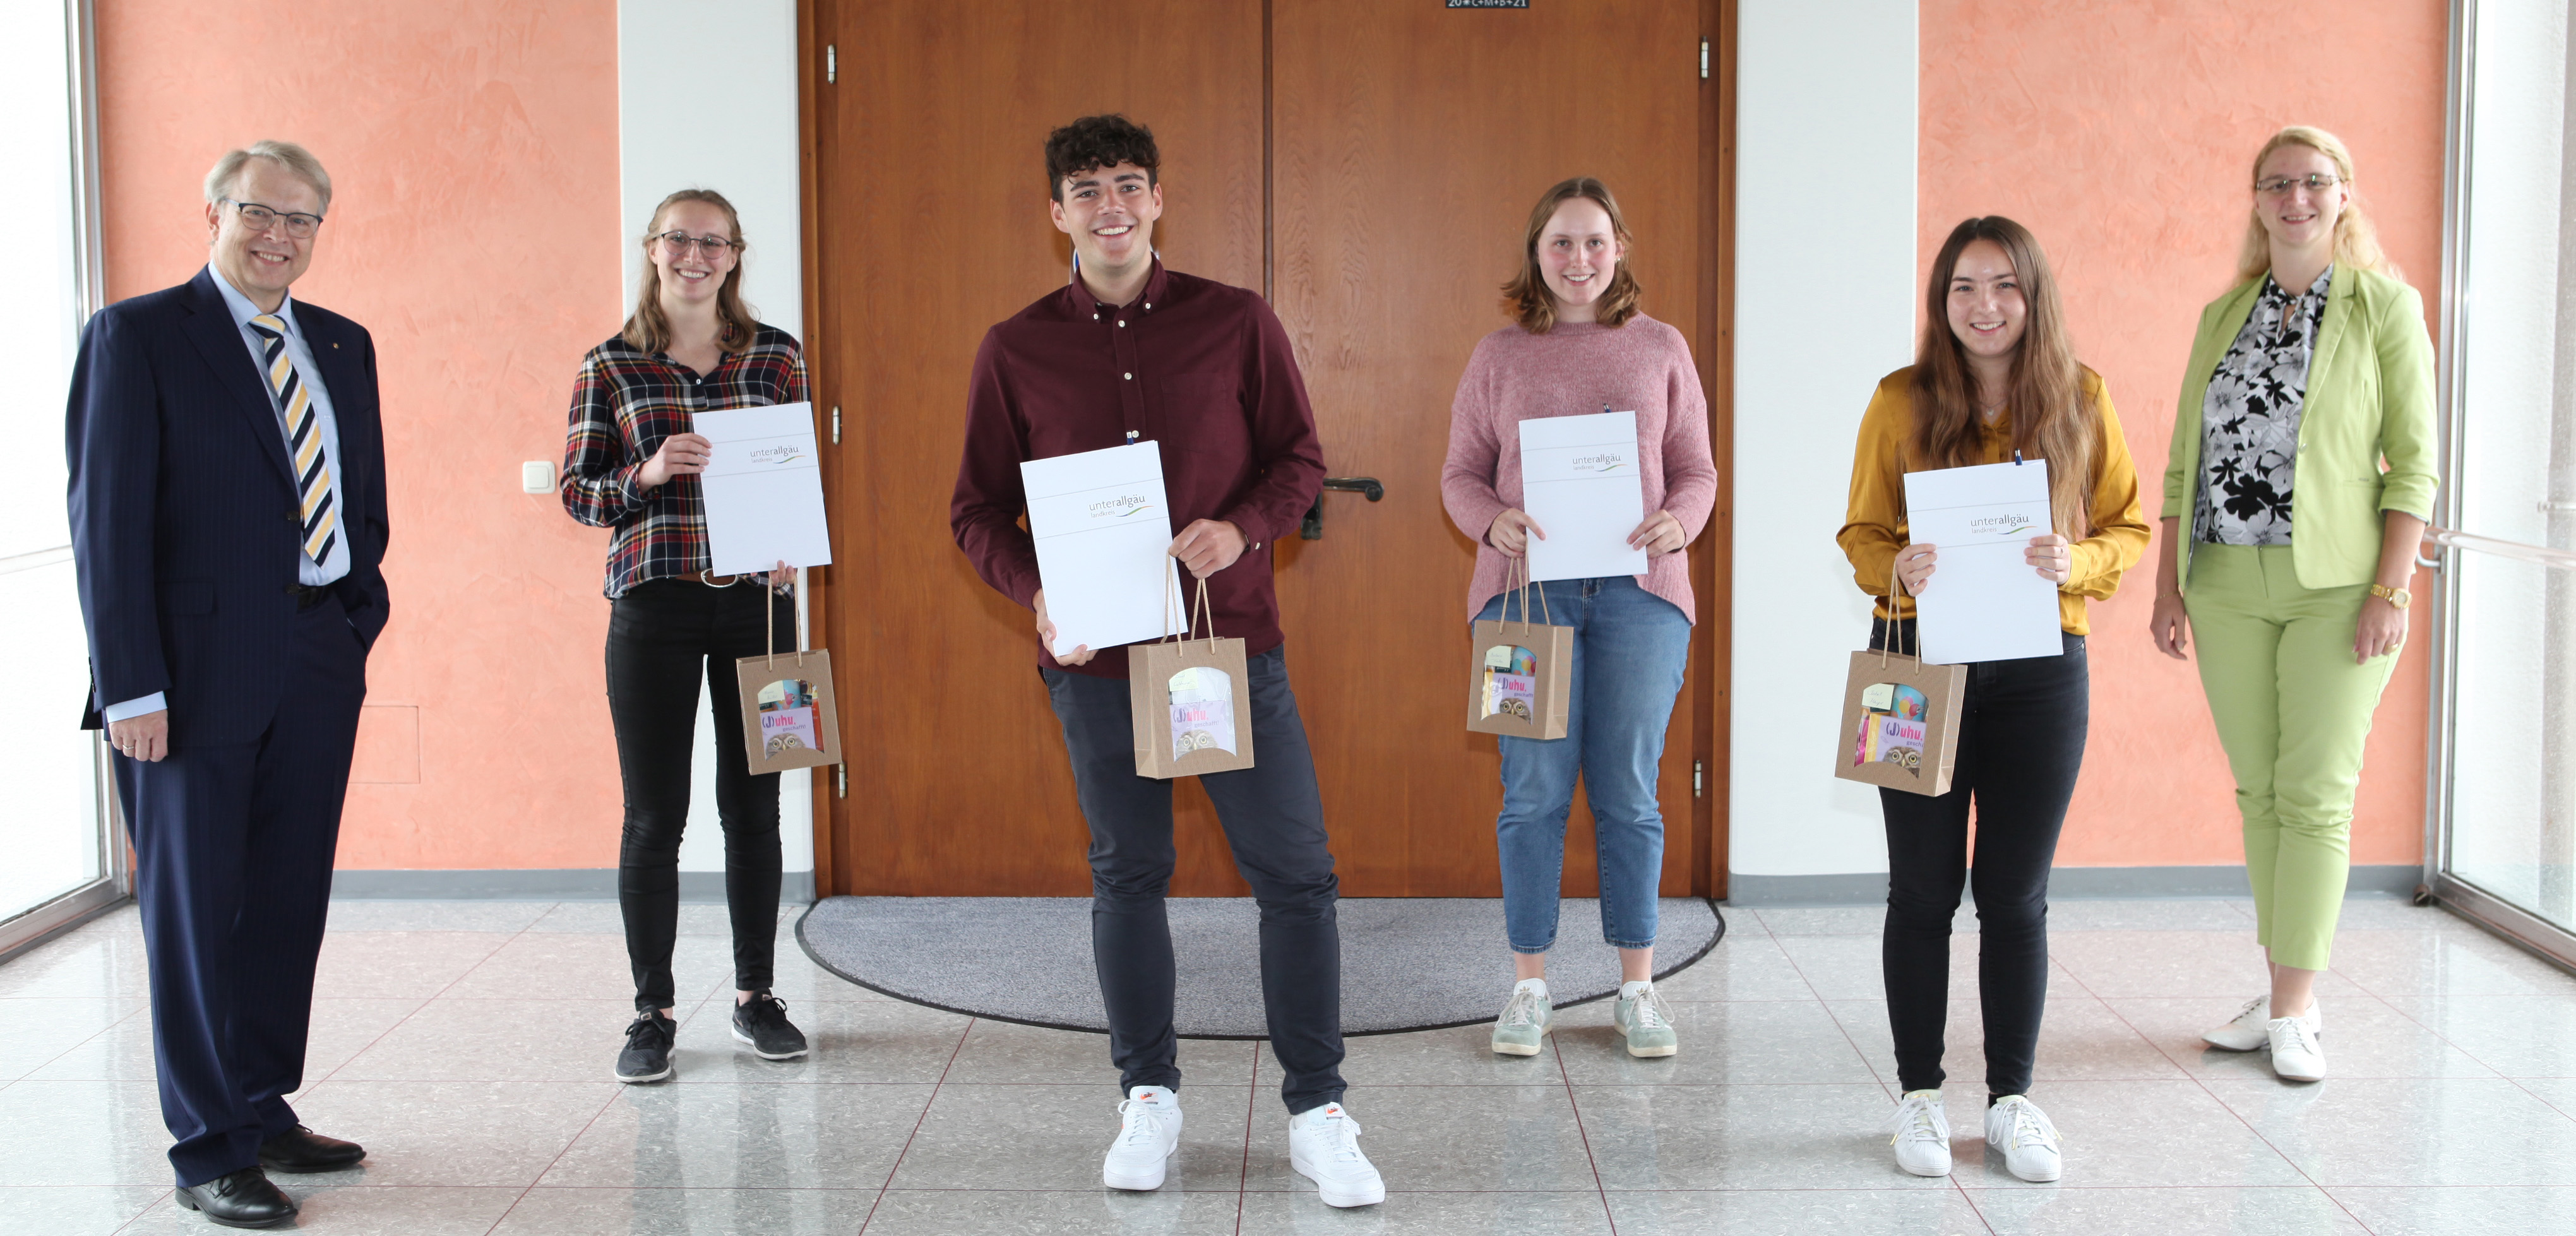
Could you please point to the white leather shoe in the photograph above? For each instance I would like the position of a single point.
(2295, 1054)
(2245, 1032)
(1150, 1133)
(1921, 1133)
(1324, 1147)
(2016, 1126)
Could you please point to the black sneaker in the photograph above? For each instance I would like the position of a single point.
(647, 1057)
(762, 1023)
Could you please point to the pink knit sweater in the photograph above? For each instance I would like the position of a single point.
(1572, 370)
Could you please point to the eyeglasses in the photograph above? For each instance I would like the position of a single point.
(679, 243)
(2279, 186)
(260, 218)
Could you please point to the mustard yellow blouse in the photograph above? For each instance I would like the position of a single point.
(1876, 520)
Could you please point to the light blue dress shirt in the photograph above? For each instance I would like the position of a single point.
(335, 563)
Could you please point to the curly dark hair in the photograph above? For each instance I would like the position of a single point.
(1095, 142)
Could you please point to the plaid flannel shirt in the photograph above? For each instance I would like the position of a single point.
(623, 405)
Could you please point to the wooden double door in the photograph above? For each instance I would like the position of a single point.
(1369, 166)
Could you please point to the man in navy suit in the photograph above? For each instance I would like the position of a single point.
(228, 520)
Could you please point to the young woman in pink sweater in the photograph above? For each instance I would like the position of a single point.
(1578, 345)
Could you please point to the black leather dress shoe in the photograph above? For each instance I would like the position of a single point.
(243, 1199)
(302, 1150)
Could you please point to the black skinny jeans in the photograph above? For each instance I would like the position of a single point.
(2021, 742)
(1274, 821)
(663, 637)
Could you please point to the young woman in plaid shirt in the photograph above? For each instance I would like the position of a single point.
(631, 461)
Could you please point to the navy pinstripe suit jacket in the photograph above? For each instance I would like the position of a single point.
(184, 513)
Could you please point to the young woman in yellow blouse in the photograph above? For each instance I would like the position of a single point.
(1995, 375)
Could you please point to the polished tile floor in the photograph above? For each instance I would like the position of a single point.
(469, 1044)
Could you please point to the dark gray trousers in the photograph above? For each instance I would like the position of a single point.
(1274, 821)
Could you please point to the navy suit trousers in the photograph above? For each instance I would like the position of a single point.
(233, 847)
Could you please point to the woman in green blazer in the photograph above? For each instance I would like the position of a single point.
(2302, 381)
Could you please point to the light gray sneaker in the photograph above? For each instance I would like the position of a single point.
(1646, 1022)
(1525, 1019)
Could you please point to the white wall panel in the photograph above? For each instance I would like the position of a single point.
(706, 98)
(1824, 307)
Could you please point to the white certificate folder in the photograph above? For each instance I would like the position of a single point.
(763, 489)
(1579, 481)
(1984, 601)
(1104, 535)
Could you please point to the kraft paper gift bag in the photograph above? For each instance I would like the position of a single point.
(789, 717)
(1193, 702)
(1900, 718)
(1521, 680)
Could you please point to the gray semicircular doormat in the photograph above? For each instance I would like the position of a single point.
(1408, 963)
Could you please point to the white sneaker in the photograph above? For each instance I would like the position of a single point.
(2295, 1054)
(1922, 1133)
(1324, 1147)
(2245, 1032)
(2016, 1126)
(1151, 1132)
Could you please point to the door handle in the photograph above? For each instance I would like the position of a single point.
(1366, 486)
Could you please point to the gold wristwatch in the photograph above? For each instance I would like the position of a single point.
(2398, 597)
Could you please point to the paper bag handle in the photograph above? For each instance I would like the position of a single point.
(1523, 574)
(1893, 630)
(1191, 614)
(769, 631)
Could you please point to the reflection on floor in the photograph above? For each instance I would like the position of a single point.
(469, 1046)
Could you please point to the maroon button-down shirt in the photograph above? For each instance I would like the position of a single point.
(1198, 366)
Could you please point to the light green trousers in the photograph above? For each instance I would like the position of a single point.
(2293, 711)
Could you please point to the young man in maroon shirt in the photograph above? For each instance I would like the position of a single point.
(1127, 352)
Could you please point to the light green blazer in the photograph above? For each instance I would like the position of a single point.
(2369, 398)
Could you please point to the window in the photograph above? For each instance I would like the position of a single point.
(2503, 839)
(60, 863)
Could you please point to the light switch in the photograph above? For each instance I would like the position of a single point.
(537, 476)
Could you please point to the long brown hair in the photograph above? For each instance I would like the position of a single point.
(1526, 297)
(2356, 239)
(2052, 418)
(649, 328)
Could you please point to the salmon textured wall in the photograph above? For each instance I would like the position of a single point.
(2122, 133)
(473, 152)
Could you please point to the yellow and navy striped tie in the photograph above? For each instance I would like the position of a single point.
(303, 441)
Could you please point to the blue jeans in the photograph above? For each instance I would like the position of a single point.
(1630, 647)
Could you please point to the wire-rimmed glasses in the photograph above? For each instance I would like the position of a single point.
(2280, 186)
(260, 218)
(680, 243)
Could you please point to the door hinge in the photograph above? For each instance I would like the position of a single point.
(840, 780)
(836, 424)
(1703, 59)
(832, 61)
(1699, 782)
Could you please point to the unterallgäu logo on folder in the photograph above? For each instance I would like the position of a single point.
(1120, 507)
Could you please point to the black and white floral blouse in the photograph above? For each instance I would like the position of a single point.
(2250, 419)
